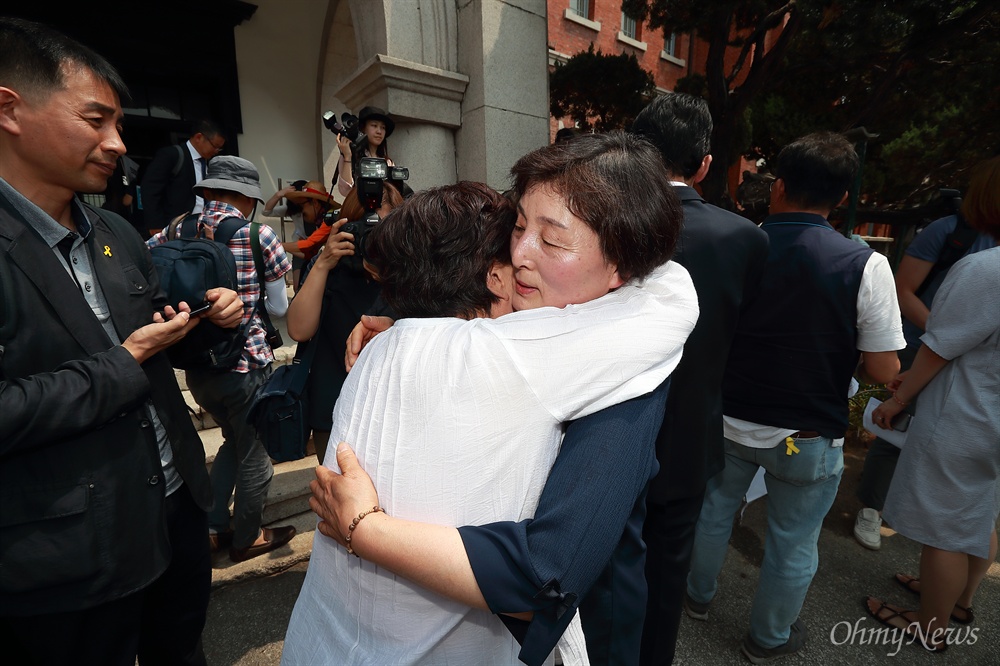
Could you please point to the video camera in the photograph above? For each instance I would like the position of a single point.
(347, 127)
(372, 172)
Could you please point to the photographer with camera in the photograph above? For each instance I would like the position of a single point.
(364, 136)
(336, 291)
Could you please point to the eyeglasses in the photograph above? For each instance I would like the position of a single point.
(216, 146)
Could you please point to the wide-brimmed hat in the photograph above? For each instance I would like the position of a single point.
(233, 174)
(375, 113)
(312, 190)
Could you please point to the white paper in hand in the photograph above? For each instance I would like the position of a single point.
(894, 437)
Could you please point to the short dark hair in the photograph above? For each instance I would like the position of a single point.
(34, 59)
(565, 134)
(617, 184)
(817, 170)
(981, 206)
(208, 128)
(680, 126)
(433, 253)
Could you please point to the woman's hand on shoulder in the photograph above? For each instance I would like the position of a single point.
(361, 335)
(340, 498)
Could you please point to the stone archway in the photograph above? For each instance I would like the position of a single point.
(467, 85)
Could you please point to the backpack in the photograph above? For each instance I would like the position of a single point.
(180, 160)
(188, 267)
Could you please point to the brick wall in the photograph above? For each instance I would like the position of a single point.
(568, 37)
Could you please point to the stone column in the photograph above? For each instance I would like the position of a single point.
(465, 81)
(503, 48)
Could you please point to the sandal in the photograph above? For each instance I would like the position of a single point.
(912, 584)
(906, 623)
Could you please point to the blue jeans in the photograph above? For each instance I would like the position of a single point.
(241, 463)
(801, 489)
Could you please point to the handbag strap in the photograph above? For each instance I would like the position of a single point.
(258, 263)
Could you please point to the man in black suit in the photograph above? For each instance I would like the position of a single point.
(169, 178)
(725, 255)
(103, 487)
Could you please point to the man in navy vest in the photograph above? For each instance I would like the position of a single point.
(725, 255)
(825, 302)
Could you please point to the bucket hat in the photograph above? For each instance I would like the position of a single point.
(375, 113)
(311, 190)
(233, 174)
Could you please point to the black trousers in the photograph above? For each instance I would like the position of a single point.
(160, 624)
(669, 536)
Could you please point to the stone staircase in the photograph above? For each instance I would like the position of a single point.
(287, 499)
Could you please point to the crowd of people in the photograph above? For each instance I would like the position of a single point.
(542, 444)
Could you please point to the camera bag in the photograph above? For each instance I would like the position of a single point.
(188, 266)
(279, 412)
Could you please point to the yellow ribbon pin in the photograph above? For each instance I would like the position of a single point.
(790, 447)
(107, 251)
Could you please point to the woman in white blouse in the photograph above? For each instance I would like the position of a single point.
(457, 417)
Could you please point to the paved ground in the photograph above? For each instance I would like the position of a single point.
(247, 620)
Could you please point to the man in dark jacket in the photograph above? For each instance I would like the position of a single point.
(725, 254)
(168, 181)
(103, 487)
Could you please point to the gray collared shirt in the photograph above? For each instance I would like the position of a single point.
(77, 263)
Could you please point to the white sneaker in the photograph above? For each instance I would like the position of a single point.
(867, 528)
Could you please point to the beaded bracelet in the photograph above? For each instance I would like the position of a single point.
(350, 530)
(898, 401)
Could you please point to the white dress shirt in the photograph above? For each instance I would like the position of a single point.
(199, 203)
(458, 423)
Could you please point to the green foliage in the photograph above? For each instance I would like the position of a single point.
(599, 91)
(923, 74)
(858, 402)
(693, 84)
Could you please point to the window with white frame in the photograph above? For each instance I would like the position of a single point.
(670, 43)
(670, 47)
(630, 27)
(580, 8)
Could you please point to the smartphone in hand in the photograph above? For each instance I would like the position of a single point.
(901, 421)
(204, 307)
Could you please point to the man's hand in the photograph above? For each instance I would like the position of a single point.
(361, 335)
(339, 498)
(227, 308)
(166, 329)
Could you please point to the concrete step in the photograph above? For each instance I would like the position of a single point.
(211, 439)
(226, 572)
(201, 419)
(289, 490)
